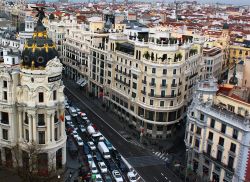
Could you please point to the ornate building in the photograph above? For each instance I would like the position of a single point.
(32, 106)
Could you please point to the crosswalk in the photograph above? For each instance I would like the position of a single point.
(162, 156)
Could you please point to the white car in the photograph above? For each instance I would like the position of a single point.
(82, 114)
(117, 176)
(93, 168)
(66, 104)
(91, 145)
(98, 178)
(131, 177)
(79, 141)
(75, 134)
(82, 128)
(78, 111)
(102, 167)
(90, 159)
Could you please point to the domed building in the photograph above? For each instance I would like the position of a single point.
(34, 108)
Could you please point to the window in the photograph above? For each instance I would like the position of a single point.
(143, 99)
(197, 143)
(134, 76)
(202, 117)
(41, 121)
(5, 95)
(233, 147)
(235, 134)
(162, 103)
(134, 85)
(26, 119)
(174, 71)
(54, 95)
(163, 82)
(152, 81)
(55, 118)
(192, 127)
(223, 128)
(4, 84)
(40, 94)
(56, 134)
(209, 149)
(190, 139)
(198, 131)
(219, 155)
(26, 135)
(163, 93)
(230, 162)
(133, 95)
(151, 102)
(153, 70)
(221, 141)
(145, 68)
(5, 118)
(171, 103)
(212, 123)
(210, 136)
(5, 134)
(164, 71)
(41, 136)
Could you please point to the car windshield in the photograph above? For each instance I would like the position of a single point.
(133, 178)
(103, 167)
(117, 175)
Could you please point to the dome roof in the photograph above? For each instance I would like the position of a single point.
(39, 49)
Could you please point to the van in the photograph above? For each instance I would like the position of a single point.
(72, 111)
(91, 130)
(104, 150)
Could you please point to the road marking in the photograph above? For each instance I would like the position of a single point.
(156, 179)
(166, 178)
(158, 154)
(162, 174)
(161, 155)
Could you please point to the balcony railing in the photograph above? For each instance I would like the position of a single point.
(218, 162)
(164, 85)
(143, 92)
(152, 84)
(151, 95)
(174, 85)
(144, 81)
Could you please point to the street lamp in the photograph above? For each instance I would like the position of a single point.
(58, 177)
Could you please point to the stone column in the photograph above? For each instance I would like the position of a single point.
(48, 128)
(20, 118)
(64, 155)
(62, 127)
(30, 128)
(34, 127)
(52, 127)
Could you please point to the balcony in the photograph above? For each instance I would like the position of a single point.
(174, 85)
(143, 92)
(144, 81)
(193, 75)
(151, 95)
(219, 162)
(152, 84)
(164, 85)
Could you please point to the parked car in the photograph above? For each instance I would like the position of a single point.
(117, 176)
(107, 178)
(79, 141)
(102, 167)
(72, 111)
(82, 114)
(91, 145)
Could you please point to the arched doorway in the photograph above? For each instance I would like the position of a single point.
(59, 159)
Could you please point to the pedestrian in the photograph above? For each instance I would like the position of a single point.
(70, 174)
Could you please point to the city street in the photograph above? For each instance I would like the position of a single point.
(150, 167)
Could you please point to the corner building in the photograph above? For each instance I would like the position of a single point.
(32, 110)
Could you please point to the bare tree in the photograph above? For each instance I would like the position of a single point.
(32, 164)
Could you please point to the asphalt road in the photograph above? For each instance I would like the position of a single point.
(146, 164)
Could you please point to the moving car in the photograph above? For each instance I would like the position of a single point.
(117, 176)
(79, 141)
(102, 167)
(98, 178)
(131, 177)
(91, 145)
(93, 168)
